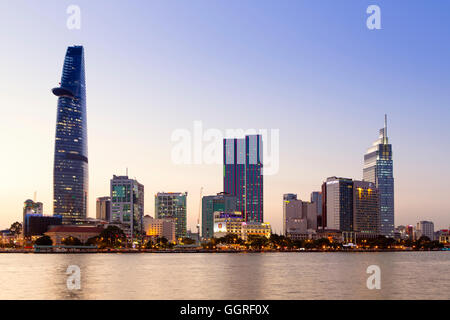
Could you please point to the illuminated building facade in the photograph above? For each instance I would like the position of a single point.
(366, 217)
(228, 223)
(172, 205)
(243, 176)
(221, 202)
(158, 228)
(70, 173)
(378, 168)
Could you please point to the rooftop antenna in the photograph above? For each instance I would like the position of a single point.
(34, 199)
(385, 129)
(127, 172)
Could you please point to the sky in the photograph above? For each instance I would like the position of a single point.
(311, 69)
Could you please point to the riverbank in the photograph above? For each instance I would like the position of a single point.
(94, 251)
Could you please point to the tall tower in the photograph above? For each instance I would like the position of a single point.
(70, 172)
(378, 169)
(243, 176)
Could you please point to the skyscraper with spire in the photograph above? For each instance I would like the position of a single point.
(378, 168)
(70, 172)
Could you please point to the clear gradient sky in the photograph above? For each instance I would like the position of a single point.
(309, 68)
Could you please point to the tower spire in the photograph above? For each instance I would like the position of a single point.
(385, 129)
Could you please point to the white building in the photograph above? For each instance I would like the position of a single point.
(160, 228)
(425, 228)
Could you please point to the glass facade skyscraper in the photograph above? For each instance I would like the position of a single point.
(70, 173)
(243, 176)
(378, 168)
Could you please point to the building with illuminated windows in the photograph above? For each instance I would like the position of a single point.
(223, 202)
(351, 206)
(366, 214)
(127, 205)
(158, 228)
(243, 176)
(70, 172)
(172, 205)
(228, 223)
(378, 169)
(338, 199)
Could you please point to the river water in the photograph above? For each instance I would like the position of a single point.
(231, 276)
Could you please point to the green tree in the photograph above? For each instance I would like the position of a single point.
(93, 241)
(44, 241)
(257, 242)
(71, 241)
(112, 237)
(188, 241)
(16, 228)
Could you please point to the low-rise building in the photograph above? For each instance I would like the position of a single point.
(228, 223)
(83, 233)
(160, 228)
(255, 229)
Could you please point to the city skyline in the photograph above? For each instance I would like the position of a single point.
(309, 154)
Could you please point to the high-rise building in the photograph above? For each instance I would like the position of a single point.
(31, 207)
(366, 217)
(70, 172)
(222, 202)
(425, 228)
(172, 205)
(127, 204)
(103, 208)
(316, 197)
(338, 198)
(243, 176)
(351, 206)
(378, 168)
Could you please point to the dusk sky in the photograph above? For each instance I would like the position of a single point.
(311, 69)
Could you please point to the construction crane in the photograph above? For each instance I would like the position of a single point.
(198, 217)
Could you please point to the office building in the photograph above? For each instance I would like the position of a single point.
(316, 197)
(172, 205)
(221, 202)
(127, 205)
(366, 217)
(425, 228)
(378, 169)
(70, 172)
(103, 208)
(243, 176)
(338, 199)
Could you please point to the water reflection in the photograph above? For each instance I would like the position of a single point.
(408, 275)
